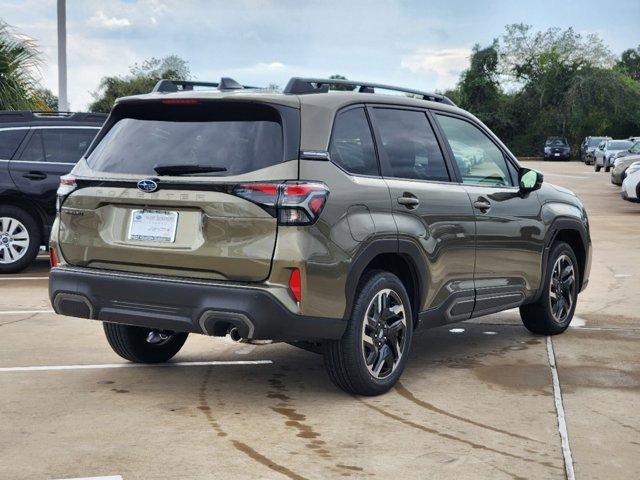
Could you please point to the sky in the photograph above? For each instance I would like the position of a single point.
(417, 44)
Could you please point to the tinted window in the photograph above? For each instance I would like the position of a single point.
(58, 145)
(352, 144)
(480, 161)
(10, 141)
(34, 151)
(594, 141)
(236, 140)
(410, 145)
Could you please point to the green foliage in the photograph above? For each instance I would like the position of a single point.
(141, 79)
(530, 85)
(19, 62)
(629, 62)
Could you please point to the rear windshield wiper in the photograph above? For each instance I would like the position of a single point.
(186, 169)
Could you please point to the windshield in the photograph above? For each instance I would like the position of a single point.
(619, 145)
(556, 142)
(595, 141)
(229, 144)
(635, 148)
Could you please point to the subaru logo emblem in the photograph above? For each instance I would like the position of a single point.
(147, 186)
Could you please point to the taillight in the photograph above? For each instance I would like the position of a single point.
(295, 284)
(297, 203)
(67, 185)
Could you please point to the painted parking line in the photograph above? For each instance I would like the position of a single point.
(25, 312)
(112, 477)
(4, 279)
(50, 368)
(562, 424)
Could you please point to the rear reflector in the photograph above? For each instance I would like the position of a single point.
(53, 257)
(295, 284)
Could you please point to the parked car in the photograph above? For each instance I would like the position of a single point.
(631, 184)
(337, 221)
(606, 151)
(557, 148)
(36, 148)
(622, 161)
(588, 147)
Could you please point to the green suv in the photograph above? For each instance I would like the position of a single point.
(339, 221)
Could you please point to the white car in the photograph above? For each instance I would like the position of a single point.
(631, 184)
(606, 151)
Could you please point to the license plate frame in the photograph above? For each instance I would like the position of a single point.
(153, 225)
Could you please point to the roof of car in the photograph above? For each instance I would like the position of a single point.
(332, 100)
(21, 118)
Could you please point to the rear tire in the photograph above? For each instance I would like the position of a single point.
(597, 167)
(131, 343)
(20, 238)
(372, 353)
(553, 311)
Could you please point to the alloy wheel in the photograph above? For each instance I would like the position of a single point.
(562, 288)
(384, 332)
(14, 240)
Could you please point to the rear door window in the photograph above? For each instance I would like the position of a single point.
(10, 140)
(352, 143)
(59, 145)
(230, 139)
(410, 145)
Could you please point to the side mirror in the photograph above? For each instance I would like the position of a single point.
(529, 180)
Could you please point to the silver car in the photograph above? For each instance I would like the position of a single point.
(606, 152)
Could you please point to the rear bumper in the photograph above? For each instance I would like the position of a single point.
(182, 305)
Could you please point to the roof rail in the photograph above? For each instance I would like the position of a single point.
(8, 116)
(225, 83)
(298, 85)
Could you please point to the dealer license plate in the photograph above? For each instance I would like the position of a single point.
(153, 225)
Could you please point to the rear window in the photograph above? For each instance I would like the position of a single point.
(232, 139)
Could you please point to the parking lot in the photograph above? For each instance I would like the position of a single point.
(477, 399)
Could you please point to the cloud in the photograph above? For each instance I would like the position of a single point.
(446, 64)
(100, 19)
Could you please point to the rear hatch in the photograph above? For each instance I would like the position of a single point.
(164, 189)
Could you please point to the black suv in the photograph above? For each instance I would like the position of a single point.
(557, 148)
(36, 149)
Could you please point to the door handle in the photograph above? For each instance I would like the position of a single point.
(35, 175)
(408, 200)
(482, 204)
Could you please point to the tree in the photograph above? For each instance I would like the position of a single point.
(629, 62)
(19, 63)
(46, 100)
(337, 86)
(141, 79)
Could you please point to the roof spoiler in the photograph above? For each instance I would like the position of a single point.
(299, 86)
(225, 84)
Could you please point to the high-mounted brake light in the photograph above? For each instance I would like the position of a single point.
(67, 185)
(180, 101)
(296, 203)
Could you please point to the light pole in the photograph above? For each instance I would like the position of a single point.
(63, 104)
